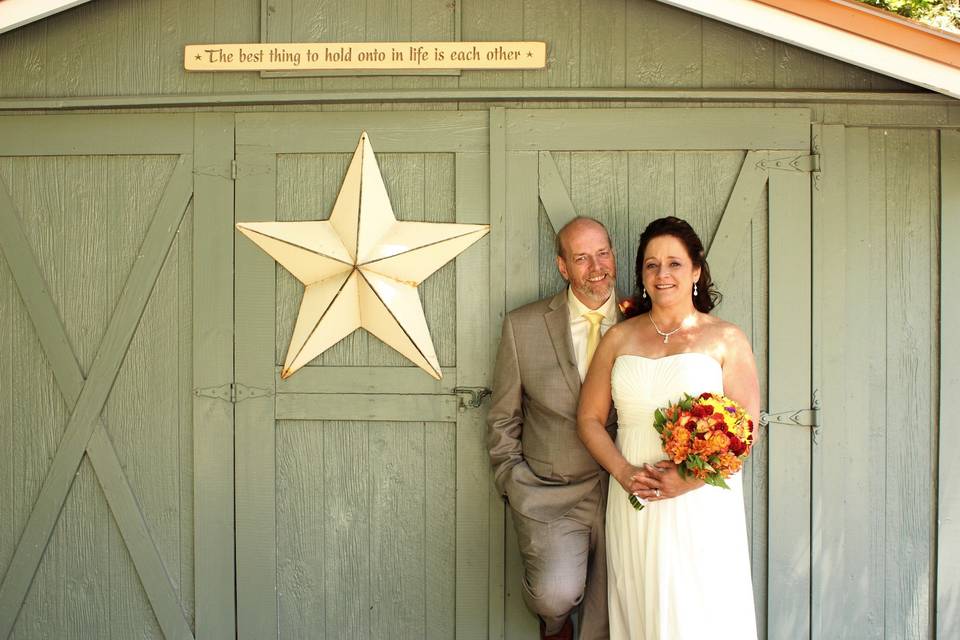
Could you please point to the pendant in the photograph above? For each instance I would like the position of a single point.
(666, 339)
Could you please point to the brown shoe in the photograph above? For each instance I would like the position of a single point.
(565, 633)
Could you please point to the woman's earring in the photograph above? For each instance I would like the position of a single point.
(694, 289)
(644, 296)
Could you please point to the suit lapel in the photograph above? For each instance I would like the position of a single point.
(558, 326)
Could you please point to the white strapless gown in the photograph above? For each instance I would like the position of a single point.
(679, 569)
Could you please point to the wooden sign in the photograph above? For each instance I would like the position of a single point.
(364, 56)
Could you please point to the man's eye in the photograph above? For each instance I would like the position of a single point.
(579, 259)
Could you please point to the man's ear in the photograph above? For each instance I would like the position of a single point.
(562, 268)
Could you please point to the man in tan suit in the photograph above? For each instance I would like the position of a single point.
(555, 489)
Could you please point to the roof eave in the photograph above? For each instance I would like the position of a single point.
(831, 41)
(16, 13)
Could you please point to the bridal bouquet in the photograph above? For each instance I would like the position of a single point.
(708, 437)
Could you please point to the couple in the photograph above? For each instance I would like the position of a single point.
(580, 538)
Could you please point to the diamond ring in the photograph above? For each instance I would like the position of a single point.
(656, 492)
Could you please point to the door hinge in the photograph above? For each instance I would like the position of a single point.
(233, 392)
(471, 397)
(233, 169)
(809, 418)
(804, 164)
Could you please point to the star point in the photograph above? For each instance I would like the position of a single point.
(361, 268)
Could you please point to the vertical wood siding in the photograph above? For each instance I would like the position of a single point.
(877, 311)
(113, 47)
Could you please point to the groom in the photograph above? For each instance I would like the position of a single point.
(555, 489)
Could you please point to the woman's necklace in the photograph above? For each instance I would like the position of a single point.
(666, 335)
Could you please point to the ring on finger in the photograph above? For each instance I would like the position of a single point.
(656, 492)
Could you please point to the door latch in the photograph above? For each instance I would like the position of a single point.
(471, 397)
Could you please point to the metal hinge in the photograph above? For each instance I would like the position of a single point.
(233, 169)
(233, 392)
(471, 397)
(798, 418)
(805, 164)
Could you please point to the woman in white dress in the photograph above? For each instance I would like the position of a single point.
(680, 567)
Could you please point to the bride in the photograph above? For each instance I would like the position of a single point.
(680, 567)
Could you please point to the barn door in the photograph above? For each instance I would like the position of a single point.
(362, 483)
(742, 179)
(117, 512)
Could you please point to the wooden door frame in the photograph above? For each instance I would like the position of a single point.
(260, 138)
(777, 142)
(86, 393)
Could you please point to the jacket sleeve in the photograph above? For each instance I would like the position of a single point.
(505, 417)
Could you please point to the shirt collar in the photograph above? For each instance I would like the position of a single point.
(577, 308)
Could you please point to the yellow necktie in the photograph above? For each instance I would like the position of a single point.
(593, 336)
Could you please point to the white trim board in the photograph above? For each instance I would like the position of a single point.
(16, 13)
(829, 41)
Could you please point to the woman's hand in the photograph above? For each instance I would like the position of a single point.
(629, 477)
(662, 481)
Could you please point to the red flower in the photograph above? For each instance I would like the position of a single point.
(736, 445)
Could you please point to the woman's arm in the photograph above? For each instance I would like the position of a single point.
(740, 374)
(594, 408)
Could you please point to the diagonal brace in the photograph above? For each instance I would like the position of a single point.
(84, 431)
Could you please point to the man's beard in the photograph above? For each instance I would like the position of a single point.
(598, 292)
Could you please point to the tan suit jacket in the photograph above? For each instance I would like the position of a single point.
(539, 463)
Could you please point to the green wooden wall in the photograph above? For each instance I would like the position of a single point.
(876, 361)
(135, 47)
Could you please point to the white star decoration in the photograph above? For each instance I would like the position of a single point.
(361, 268)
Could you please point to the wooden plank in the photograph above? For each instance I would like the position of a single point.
(492, 20)
(212, 364)
(83, 61)
(478, 599)
(599, 186)
(850, 281)
(948, 530)
(910, 396)
(183, 21)
(724, 248)
(438, 293)
(679, 128)
(301, 520)
(389, 132)
(498, 229)
(557, 22)
(603, 58)
(347, 506)
(398, 550)
(333, 379)
(137, 38)
(553, 193)
(441, 582)
(522, 250)
(254, 364)
(789, 389)
(653, 28)
(366, 406)
(83, 419)
(117, 134)
(549, 278)
(735, 58)
(522, 229)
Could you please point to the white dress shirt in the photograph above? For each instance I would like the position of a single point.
(580, 326)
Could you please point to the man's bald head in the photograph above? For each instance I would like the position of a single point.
(577, 224)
